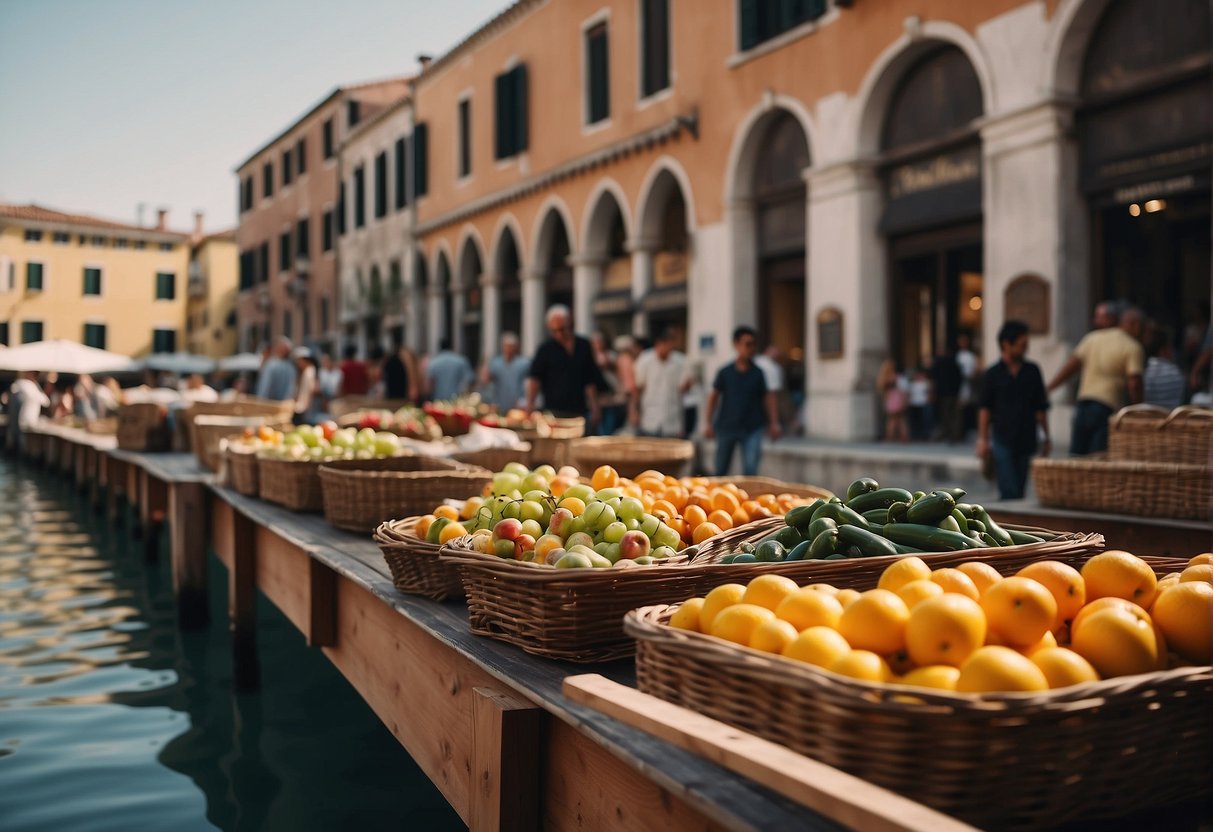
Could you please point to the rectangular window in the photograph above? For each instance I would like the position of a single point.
(92, 281)
(303, 240)
(421, 159)
(301, 155)
(166, 246)
(248, 269)
(402, 173)
(140, 245)
(510, 93)
(761, 20)
(353, 113)
(284, 251)
(99, 241)
(4, 333)
(288, 168)
(465, 137)
(381, 186)
(164, 340)
(62, 238)
(33, 235)
(267, 180)
(242, 198)
(342, 218)
(329, 149)
(359, 197)
(122, 242)
(166, 286)
(33, 277)
(250, 187)
(597, 75)
(263, 263)
(326, 233)
(94, 336)
(654, 46)
(31, 331)
(324, 314)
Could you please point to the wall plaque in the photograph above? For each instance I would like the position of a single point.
(1027, 299)
(829, 333)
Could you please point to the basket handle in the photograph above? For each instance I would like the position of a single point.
(1186, 413)
(1138, 412)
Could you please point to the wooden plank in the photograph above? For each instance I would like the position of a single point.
(505, 762)
(847, 799)
(321, 628)
(242, 603)
(187, 522)
(282, 573)
(222, 530)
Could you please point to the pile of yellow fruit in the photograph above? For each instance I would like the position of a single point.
(969, 629)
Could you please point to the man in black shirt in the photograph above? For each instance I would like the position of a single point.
(395, 373)
(946, 381)
(564, 370)
(738, 407)
(1015, 405)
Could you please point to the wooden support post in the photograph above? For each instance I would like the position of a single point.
(505, 762)
(187, 524)
(242, 603)
(153, 508)
(322, 605)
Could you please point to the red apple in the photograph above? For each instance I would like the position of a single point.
(329, 428)
(508, 529)
(522, 544)
(635, 544)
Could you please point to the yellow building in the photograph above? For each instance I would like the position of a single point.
(213, 288)
(106, 284)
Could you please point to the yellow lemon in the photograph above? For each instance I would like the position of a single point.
(773, 636)
(738, 622)
(768, 591)
(686, 617)
(821, 646)
(718, 599)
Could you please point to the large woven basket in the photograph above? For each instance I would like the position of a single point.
(143, 427)
(241, 468)
(249, 409)
(209, 431)
(292, 484)
(1144, 433)
(105, 426)
(346, 405)
(415, 565)
(1001, 761)
(1143, 489)
(630, 456)
(494, 459)
(360, 495)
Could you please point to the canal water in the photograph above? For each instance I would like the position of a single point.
(113, 719)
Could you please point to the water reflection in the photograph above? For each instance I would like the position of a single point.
(111, 718)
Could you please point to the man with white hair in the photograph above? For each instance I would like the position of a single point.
(564, 371)
(506, 375)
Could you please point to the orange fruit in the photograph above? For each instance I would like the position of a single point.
(773, 636)
(945, 630)
(1064, 583)
(953, 580)
(1203, 557)
(470, 506)
(1184, 613)
(704, 531)
(451, 531)
(828, 589)
(820, 646)
(875, 621)
(1095, 606)
(901, 572)
(724, 500)
(1119, 641)
(719, 598)
(573, 504)
(695, 516)
(559, 485)
(721, 519)
(1119, 575)
(769, 591)
(738, 622)
(899, 663)
(449, 512)
(807, 608)
(1019, 610)
(1046, 641)
(1063, 667)
(993, 668)
(862, 664)
(1202, 572)
(750, 507)
(981, 574)
(915, 592)
(739, 517)
(663, 509)
(422, 526)
(846, 596)
(604, 477)
(686, 617)
(939, 676)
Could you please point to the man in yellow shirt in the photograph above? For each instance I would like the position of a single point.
(1111, 361)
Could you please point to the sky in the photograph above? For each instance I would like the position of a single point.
(106, 104)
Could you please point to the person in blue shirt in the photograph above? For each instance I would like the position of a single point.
(277, 378)
(506, 375)
(739, 405)
(450, 375)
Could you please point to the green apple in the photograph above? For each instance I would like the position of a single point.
(575, 560)
(614, 532)
(517, 469)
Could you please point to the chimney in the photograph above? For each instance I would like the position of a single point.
(198, 216)
(424, 60)
(161, 219)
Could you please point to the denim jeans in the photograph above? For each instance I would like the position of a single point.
(1090, 432)
(1011, 470)
(751, 451)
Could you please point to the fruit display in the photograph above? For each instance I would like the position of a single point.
(874, 521)
(517, 419)
(971, 630)
(322, 443)
(411, 422)
(551, 517)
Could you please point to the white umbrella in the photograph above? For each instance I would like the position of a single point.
(58, 356)
(245, 362)
(178, 363)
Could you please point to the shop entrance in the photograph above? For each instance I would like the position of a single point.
(936, 291)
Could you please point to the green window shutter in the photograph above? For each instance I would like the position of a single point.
(92, 281)
(519, 102)
(166, 286)
(33, 277)
(421, 153)
(94, 336)
(748, 12)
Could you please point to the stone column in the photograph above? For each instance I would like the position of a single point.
(739, 215)
(533, 309)
(490, 314)
(458, 301)
(587, 278)
(436, 312)
(644, 252)
(845, 269)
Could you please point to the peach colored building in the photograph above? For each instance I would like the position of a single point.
(858, 179)
(289, 202)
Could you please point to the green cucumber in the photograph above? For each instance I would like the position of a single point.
(868, 543)
(903, 549)
(880, 498)
(897, 512)
(996, 531)
(800, 551)
(841, 515)
(949, 524)
(770, 551)
(976, 526)
(987, 539)
(928, 538)
(916, 496)
(879, 516)
(729, 558)
(818, 526)
(824, 544)
(745, 557)
(969, 510)
(863, 485)
(961, 520)
(786, 536)
(801, 516)
(1019, 538)
(931, 509)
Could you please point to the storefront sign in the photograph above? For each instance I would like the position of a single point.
(829, 333)
(669, 268)
(1027, 299)
(936, 172)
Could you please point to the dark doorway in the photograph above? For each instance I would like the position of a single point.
(936, 292)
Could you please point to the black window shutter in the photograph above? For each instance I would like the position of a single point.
(600, 89)
(748, 11)
(519, 77)
(501, 127)
(341, 209)
(401, 177)
(421, 152)
(656, 46)
(301, 156)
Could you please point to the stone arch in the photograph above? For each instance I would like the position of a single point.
(1070, 32)
(471, 257)
(747, 142)
(597, 217)
(552, 217)
(666, 173)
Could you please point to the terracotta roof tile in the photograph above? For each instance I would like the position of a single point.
(38, 213)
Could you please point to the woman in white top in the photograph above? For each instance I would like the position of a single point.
(306, 387)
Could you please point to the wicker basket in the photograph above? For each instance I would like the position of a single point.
(1144, 489)
(241, 466)
(104, 426)
(631, 456)
(143, 427)
(209, 431)
(494, 459)
(360, 495)
(252, 410)
(1144, 433)
(415, 565)
(345, 405)
(998, 761)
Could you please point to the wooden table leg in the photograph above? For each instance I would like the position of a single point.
(505, 762)
(153, 507)
(188, 525)
(242, 603)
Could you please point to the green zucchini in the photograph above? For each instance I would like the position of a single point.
(897, 512)
(949, 524)
(880, 498)
(863, 485)
(729, 558)
(868, 543)
(841, 515)
(976, 526)
(800, 551)
(903, 549)
(879, 516)
(931, 509)
(969, 510)
(745, 557)
(818, 526)
(996, 531)
(786, 536)
(770, 551)
(987, 539)
(801, 516)
(824, 544)
(961, 520)
(1019, 538)
(928, 538)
